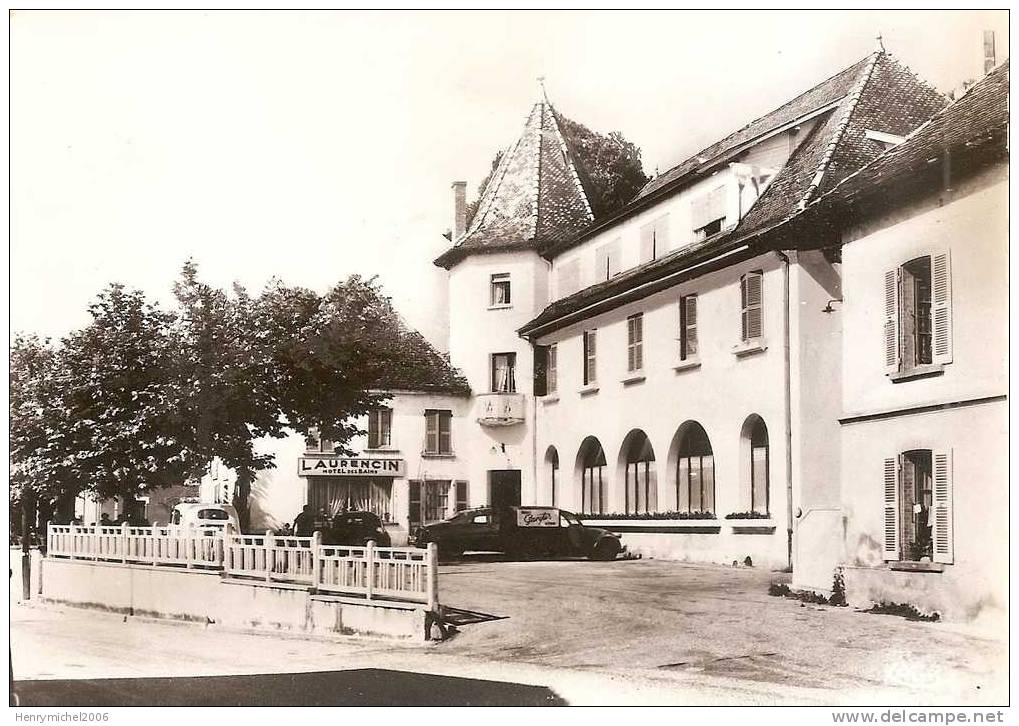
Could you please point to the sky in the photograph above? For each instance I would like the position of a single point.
(314, 145)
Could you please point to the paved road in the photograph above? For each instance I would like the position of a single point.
(637, 632)
(359, 687)
(654, 616)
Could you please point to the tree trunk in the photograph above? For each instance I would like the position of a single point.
(27, 529)
(242, 493)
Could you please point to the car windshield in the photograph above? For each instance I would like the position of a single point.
(569, 517)
(212, 514)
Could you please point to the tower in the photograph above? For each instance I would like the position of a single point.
(498, 281)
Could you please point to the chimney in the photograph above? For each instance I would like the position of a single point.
(989, 56)
(459, 210)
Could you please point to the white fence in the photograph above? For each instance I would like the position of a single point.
(387, 573)
(145, 545)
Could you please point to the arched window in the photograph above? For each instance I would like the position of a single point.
(695, 471)
(552, 466)
(594, 487)
(641, 494)
(758, 463)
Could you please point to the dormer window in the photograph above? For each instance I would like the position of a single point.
(887, 141)
(500, 290)
(707, 213)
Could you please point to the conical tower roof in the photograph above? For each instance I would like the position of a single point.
(534, 197)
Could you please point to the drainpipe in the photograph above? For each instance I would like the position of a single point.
(787, 384)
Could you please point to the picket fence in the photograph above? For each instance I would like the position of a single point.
(387, 573)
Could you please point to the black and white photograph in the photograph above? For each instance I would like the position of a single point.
(508, 358)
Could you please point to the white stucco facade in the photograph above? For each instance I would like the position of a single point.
(958, 410)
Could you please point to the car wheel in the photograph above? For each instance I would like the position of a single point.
(606, 550)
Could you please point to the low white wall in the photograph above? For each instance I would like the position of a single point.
(928, 592)
(205, 596)
(728, 540)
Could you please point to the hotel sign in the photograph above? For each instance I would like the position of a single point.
(318, 466)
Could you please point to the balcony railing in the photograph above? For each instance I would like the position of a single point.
(500, 409)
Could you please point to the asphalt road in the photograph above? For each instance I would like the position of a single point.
(361, 687)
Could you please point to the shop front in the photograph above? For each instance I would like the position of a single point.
(339, 484)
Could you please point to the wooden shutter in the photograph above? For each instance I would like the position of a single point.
(688, 332)
(415, 503)
(613, 258)
(893, 282)
(941, 531)
(601, 264)
(373, 428)
(569, 278)
(445, 432)
(432, 432)
(707, 208)
(540, 370)
(647, 242)
(751, 299)
(661, 235)
(893, 466)
(941, 308)
(461, 496)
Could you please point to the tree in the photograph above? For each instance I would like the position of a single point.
(612, 165)
(123, 419)
(609, 165)
(223, 371)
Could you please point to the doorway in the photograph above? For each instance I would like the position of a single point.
(504, 488)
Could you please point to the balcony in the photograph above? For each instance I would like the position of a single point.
(500, 409)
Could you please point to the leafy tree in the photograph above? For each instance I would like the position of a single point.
(123, 422)
(611, 164)
(39, 471)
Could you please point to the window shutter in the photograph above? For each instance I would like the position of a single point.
(431, 432)
(445, 432)
(540, 370)
(941, 530)
(941, 308)
(601, 264)
(373, 428)
(647, 242)
(891, 508)
(751, 298)
(661, 235)
(613, 258)
(891, 331)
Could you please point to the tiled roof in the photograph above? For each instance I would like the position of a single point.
(972, 128)
(535, 196)
(425, 369)
(877, 93)
(824, 94)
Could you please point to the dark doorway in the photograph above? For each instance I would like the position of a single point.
(504, 488)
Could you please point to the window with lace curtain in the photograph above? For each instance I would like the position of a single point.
(504, 373)
(500, 290)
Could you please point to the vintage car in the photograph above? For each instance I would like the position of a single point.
(519, 531)
(355, 529)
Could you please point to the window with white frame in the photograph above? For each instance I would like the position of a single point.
(918, 314)
(590, 357)
(380, 428)
(688, 327)
(438, 432)
(918, 506)
(429, 502)
(500, 290)
(707, 213)
(751, 304)
(504, 373)
(635, 343)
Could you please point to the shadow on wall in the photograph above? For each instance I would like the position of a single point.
(868, 552)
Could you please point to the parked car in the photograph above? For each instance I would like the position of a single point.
(209, 517)
(520, 531)
(356, 529)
